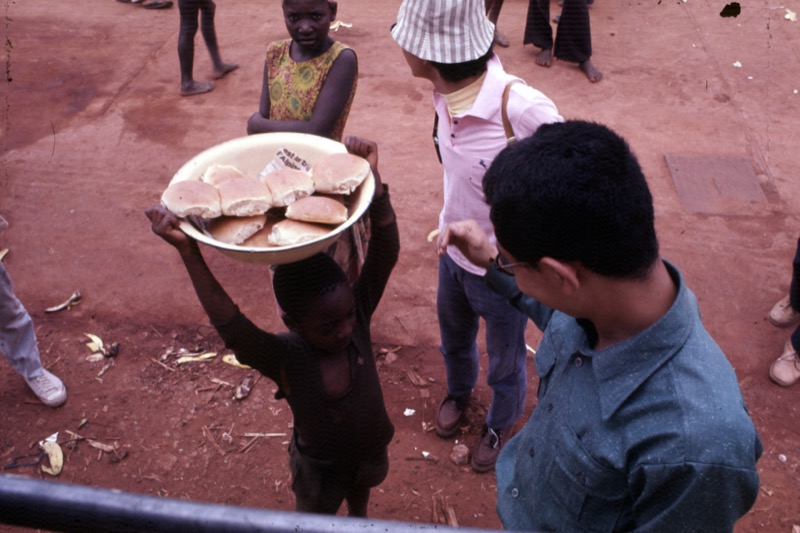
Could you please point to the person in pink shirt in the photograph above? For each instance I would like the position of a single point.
(449, 43)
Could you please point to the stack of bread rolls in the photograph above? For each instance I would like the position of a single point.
(288, 207)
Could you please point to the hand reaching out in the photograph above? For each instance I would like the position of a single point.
(470, 239)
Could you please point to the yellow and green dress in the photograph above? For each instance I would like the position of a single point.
(293, 91)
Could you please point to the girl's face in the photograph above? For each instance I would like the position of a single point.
(308, 23)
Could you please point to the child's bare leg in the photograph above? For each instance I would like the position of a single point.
(545, 57)
(591, 71)
(186, 34)
(207, 11)
(357, 502)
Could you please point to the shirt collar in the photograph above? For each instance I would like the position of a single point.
(490, 96)
(622, 368)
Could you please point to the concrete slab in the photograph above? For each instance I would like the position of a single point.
(714, 185)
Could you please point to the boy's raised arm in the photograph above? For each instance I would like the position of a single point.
(217, 304)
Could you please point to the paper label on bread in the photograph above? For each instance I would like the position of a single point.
(285, 158)
(339, 173)
(192, 198)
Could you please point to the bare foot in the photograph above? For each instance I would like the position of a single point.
(226, 67)
(591, 71)
(544, 58)
(196, 87)
(500, 39)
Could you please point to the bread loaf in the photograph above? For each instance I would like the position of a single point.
(242, 197)
(288, 185)
(216, 174)
(235, 230)
(192, 197)
(320, 209)
(290, 232)
(339, 173)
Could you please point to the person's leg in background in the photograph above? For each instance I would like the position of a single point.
(20, 348)
(573, 41)
(785, 371)
(493, 8)
(538, 31)
(506, 373)
(458, 329)
(207, 11)
(189, 10)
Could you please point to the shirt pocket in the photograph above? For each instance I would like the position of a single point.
(477, 169)
(593, 497)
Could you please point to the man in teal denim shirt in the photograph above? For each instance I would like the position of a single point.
(639, 424)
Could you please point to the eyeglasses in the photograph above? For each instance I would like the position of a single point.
(504, 266)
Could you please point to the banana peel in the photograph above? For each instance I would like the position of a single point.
(231, 360)
(55, 456)
(335, 25)
(96, 344)
(195, 358)
(75, 299)
(99, 350)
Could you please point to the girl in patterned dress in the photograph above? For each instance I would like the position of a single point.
(309, 79)
(309, 84)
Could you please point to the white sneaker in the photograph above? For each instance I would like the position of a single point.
(782, 314)
(50, 390)
(785, 371)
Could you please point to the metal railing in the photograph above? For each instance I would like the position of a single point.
(68, 507)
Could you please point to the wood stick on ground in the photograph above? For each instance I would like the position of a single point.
(210, 438)
(248, 444)
(436, 514)
(450, 514)
(159, 363)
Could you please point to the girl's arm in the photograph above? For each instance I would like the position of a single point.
(330, 104)
(263, 106)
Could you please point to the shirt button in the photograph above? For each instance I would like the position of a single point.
(453, 135)
(549, 407)
(514, 492)
(531, 452)
(578, 361)
(581, 479)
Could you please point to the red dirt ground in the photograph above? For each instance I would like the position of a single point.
(93, 129)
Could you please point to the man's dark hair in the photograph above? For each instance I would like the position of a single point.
(573, 191)
(299, 285)
(455, 72)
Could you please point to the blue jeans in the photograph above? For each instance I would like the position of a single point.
(17, 337)
(462, 299)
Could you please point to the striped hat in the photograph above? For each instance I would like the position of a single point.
(444, 31)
